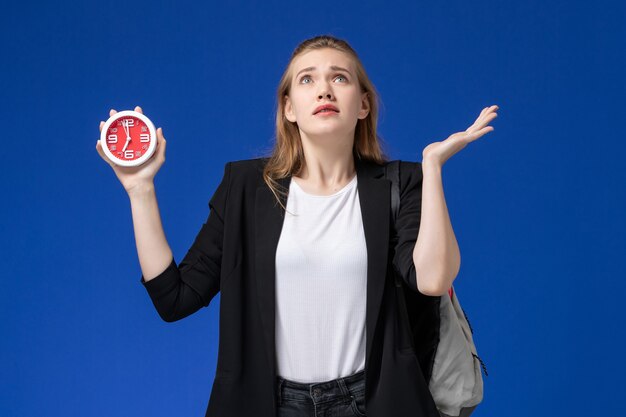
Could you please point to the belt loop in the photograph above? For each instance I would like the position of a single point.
(344, 389)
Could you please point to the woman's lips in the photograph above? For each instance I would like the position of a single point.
(326, 113)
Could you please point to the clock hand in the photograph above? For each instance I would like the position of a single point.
(127, 129)
(126, 144)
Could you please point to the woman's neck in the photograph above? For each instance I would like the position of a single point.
(327, 172)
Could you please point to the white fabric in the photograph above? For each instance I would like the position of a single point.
(321, 286)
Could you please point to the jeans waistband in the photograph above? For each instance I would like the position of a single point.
(321, 392)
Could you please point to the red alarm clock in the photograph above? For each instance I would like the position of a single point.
(128, 138)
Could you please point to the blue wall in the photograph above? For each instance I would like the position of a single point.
(537, 205)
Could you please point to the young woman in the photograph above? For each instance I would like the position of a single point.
(297, 244)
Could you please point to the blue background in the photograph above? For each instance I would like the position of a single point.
(537, 205)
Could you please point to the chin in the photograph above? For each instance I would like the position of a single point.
(326, 129)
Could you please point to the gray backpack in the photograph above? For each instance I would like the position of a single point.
(441, 336)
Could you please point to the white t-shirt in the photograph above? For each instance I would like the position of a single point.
(321, 286)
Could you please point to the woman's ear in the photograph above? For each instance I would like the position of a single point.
(365, 106)
(289, 115)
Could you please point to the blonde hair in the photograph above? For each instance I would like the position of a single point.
(287, 156)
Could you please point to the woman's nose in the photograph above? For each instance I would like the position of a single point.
(325, 94)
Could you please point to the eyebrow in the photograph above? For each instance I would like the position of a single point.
(332, 67)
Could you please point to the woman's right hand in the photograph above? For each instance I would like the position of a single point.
(136, 178)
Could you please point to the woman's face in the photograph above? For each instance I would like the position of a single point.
(325, 76)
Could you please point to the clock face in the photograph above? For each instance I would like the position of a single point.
(128, 138)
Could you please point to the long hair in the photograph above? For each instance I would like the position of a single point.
(287, 155)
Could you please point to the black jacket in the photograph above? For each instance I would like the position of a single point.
(234, 253)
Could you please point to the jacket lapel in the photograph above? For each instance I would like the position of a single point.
(374, 198)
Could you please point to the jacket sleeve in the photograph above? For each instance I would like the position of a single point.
(408, 221)
(182, 290)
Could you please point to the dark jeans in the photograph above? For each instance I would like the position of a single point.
(341, 397)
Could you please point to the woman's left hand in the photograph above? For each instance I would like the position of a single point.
(439, 152)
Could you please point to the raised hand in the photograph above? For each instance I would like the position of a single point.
(137, 178)
(439, 152)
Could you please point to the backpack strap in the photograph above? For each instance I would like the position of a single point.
(392, 173)
(421, 312)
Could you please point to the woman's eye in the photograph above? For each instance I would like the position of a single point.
(308, 77)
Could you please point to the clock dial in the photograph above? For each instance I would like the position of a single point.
(128, 138)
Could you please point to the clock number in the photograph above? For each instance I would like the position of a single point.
(130, 122)
(144, 137)
(129, 154)
(112, 138)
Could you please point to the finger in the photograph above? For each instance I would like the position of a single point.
(483, 131)
(160, 136)
(112, 112)
(487, 111)
(478, 133)
(483, 120)
(138, 109)
(162, 143)
(490, 117)
(472, 135)
(101, 152)
(490, 110)
(101, 124)
(480, 117)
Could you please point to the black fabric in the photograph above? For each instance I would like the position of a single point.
(422, 311)
(234, 254)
